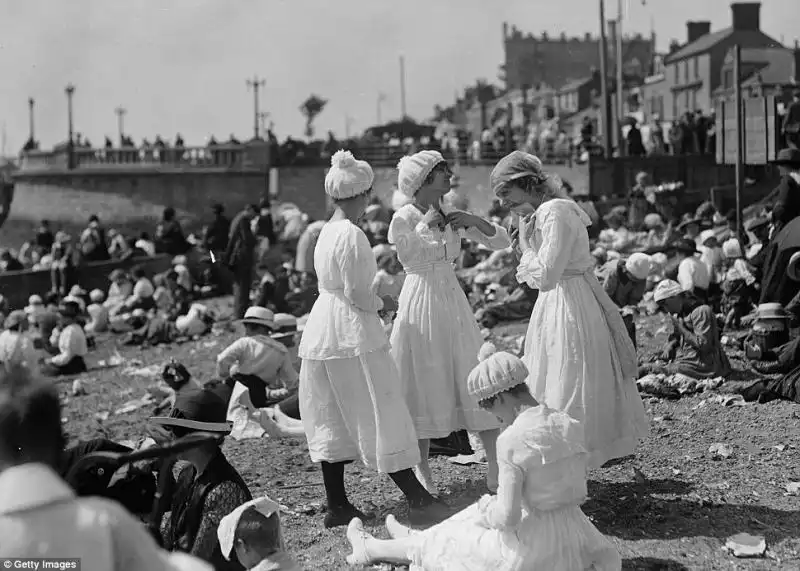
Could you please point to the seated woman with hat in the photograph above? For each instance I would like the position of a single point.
(208, 488)
(72, 346)
(259, 362)
(694, 348)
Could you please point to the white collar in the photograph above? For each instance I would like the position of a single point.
(30, 486)
(795, 176)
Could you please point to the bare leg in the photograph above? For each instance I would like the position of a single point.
(367, 549)
(423, 469)
(396, 529)
(489, 441)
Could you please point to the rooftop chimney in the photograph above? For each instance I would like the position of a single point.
(696, 30)
(746, 16)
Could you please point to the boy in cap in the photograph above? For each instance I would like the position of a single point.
(258, 361)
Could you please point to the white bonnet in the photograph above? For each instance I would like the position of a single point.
(638, 265)
(731, 248)
(413, 170)
(347, 176)
(666, 289)
(226, 531)
(495, 373)
(399, 200)
(97, 295)
(707, 235)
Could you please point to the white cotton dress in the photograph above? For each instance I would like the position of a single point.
(350, 393)
(435, 338)
(577, 351)
(534, 523)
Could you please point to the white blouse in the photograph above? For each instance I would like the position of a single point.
(344, 321)
(559, 245)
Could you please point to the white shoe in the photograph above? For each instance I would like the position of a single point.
(358, 540)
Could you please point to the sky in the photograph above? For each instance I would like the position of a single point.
(181, 66)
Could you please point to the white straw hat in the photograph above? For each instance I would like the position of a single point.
(259, 316)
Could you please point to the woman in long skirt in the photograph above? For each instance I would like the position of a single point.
(580, 357)
(349, 386)
(435, 339)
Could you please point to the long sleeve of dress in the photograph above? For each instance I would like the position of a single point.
(358, 271)
(543, 269)
(504, 510)
(498, 241)
(68, 347)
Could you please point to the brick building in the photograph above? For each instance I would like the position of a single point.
(532, 61)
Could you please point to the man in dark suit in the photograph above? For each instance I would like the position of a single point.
(787, 204)
(791, 121)
(239, 257)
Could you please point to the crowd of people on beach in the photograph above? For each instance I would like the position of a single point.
(388, 302)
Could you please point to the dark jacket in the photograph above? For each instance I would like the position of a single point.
(216, 236)
(239, 253)
(170, 239)
(787, 203)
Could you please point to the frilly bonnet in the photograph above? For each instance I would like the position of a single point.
(666, 289)
(226, 531)
(731, 248)
(639, 265)
(496, 372)
(348, 177)
(414, 169)
(515, 165)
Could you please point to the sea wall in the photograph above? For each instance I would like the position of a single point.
(17, 286)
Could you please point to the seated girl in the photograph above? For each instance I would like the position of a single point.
(120, 289)
(143, 290)
(71, 347)
(98, 313)
(534, 521)
(252, 534)
(261, 363)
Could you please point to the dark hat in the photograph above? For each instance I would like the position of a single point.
(198, 409)
(686, 245)
(69, 309)
(788, 157)
(687, 221)
(217, 208)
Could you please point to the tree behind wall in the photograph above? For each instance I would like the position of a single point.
(310, 109)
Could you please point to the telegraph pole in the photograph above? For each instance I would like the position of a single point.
(70, 91)
(606, 103)
(31, 104)
(620, 81)
(740, 158)
(255, 84)
(121, 112)
(403, 87)
(262, 118)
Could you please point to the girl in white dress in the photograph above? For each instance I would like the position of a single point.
(534, 521)
(435, 339)
(350, 393)
(580, 357)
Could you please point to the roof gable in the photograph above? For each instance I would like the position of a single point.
(746, 38)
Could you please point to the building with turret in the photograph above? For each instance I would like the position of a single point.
(531, 61)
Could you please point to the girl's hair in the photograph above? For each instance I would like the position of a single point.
(553, 186)
(515, 391)
(260, 533)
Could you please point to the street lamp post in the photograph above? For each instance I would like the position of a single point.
(31, 133)
(70, 90)
(121, 112)
(256, 84)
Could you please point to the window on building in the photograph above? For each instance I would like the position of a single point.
(675, 107)
(681, 67)
(675, 73)
(693, 99)
(727, 79)
(687, 100)
(696, 62)
(686, 71)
